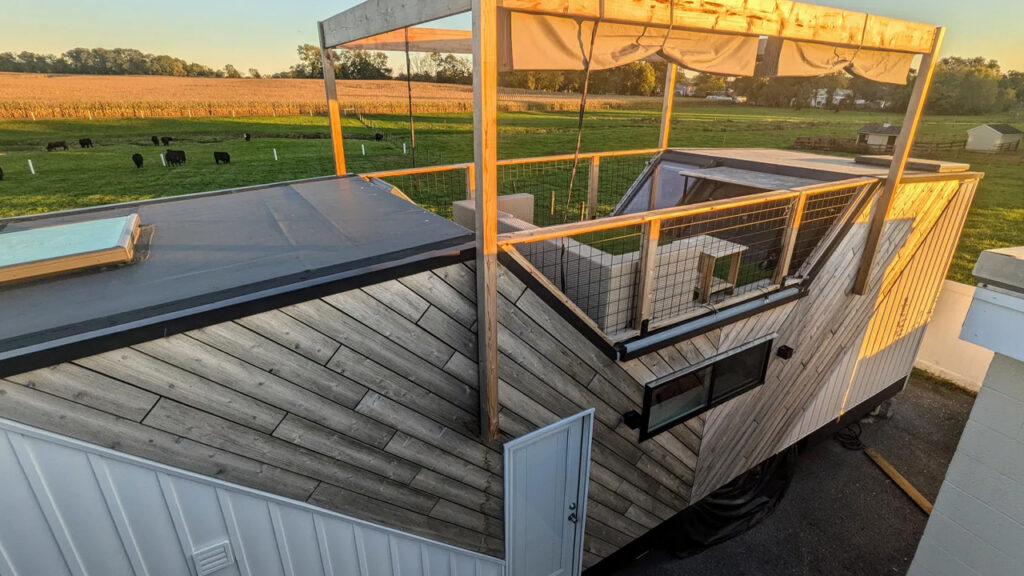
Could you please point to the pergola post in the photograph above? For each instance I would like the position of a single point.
(333, 108)
(900, 153)
(666, 105)
(485, 162)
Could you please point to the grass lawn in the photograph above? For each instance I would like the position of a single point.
(106, 174)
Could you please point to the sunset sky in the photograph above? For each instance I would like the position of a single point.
(263, 34)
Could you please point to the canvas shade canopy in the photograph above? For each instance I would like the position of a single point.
(804, 39)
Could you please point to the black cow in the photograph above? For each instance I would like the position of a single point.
(166, 140)
(175, 157)
(137, 158)
(85, 142)
(156, 141)
(247, 136)
(55, 145)
(224, 157)
(378, 136)
(1, 173)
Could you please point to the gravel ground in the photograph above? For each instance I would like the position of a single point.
(842, 514)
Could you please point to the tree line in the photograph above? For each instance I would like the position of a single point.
(113, 61)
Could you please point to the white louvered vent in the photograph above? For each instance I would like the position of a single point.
(213, 558)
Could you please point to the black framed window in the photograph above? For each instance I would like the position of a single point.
(682, 396)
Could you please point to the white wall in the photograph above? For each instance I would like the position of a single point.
(942, 351)
(70, 508)
(977, 526)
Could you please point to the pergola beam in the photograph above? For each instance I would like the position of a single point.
(668, 98)
(333, 106)
(420, 40)
(900, 153)
(378, 16)
(485, 162)
(778, 18)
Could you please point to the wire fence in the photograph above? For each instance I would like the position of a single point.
(598, 271)
(660, 267)
(707, 258)
(598, 184)
(820, 213)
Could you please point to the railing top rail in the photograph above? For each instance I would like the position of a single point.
(837, 185)
(417, 170)
(583, 155)
(572, 229)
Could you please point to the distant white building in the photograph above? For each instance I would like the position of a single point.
(819, 98)
(994, 138)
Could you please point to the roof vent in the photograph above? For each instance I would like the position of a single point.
(28, 254)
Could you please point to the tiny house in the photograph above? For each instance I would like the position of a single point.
(994, 138)
(335, 376)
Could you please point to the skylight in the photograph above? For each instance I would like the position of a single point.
(66, 248)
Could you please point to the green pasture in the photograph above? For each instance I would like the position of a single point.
(105, 174)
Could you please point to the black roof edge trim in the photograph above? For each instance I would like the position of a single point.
(588, 332)
(166, 199)
(640, 345)
(101, 340)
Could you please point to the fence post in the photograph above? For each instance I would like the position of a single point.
(648, 264)
(470, 181)
(789, 239)
(595, 169)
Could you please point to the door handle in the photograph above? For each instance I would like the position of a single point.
(572, 517)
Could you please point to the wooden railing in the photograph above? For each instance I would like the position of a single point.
(668, 264)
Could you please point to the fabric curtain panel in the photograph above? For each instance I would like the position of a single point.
(544, 42)
(541, 42)
(812, 59)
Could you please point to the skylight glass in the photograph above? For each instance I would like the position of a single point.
(60, 249)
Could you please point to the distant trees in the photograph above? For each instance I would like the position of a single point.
(637, 78)
(116, 61)
(971, 86)
(348, 64)
(705, 84)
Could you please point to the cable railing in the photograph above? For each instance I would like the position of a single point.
(637, 272)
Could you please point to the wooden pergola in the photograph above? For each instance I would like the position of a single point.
(391, 25)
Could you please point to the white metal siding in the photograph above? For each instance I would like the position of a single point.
(69, 508)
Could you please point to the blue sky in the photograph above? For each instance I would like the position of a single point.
(264, 33)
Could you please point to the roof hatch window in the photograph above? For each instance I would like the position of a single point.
(28, 254)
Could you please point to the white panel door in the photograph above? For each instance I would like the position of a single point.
(545, 498)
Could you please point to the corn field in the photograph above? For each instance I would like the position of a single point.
(49, 96)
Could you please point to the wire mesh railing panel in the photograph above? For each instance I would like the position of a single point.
(434, 191)
(821, 211)
(548, 183)
(598, 271)
(616, 175)
(705, 259)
